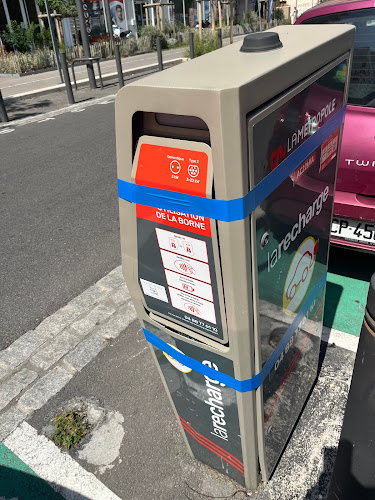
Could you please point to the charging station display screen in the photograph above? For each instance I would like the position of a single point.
(292, 233)
(175, 252)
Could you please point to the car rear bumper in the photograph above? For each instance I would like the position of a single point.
(354, 206)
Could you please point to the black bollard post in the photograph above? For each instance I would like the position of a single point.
(68, 86)
(84, 23)
(191, 44)
(160, 53)
(3, 111)
(353, 475)
(219, 39)
(118, 65)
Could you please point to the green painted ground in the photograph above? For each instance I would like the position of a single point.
(347, 287)
(18, 481)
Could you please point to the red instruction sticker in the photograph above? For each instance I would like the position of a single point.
(173, 169)
(329, 149)
(304, 167)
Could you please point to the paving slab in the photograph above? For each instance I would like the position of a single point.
(143, 455)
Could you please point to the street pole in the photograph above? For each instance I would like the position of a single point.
(118, 64)
(199, 2)
(212, 16)
(160, 53)
(231, 20)
(68, 85)
(191, 44)
(48, 12)
(85, 43)
(219, 39)
(108, 19)
(3, 111)
(23, 14)
(7, 17)
(184, 12)
(353, 473)
(260, 17)
(116, 45)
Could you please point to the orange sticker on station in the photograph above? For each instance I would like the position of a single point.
(173, 169)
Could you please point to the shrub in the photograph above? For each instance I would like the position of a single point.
(168, 28)
(179, 26)
(279, 15)
(152, 32)
(17, 37)
(203, 45)
(22, 63)
(43, 38)
(251, 17)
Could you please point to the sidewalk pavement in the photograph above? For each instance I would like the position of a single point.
(49, 81)
(92, 354)
(45, 82)
(30, 107)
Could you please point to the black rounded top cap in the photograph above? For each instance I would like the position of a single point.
(259, 42)
(371, 298)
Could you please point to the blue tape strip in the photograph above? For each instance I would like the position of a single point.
(236, 209)
(257, 380)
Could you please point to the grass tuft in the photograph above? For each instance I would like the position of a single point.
(71, 427)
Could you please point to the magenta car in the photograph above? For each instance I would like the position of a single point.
(354, 209)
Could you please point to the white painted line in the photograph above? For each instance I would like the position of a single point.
(7, 130)
(58, 469)
(85, 80)
(341, 339)
(29, 82)
(46, 119)
(78, 110)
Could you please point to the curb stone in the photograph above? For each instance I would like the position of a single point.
(37, 365)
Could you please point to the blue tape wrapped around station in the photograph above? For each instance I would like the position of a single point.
(257, 380)
(236, 209)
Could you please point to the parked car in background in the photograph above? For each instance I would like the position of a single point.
(354, 208)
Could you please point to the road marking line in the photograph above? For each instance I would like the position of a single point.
(341, 339)
(30, 82)
(58, 469)
(7, 130)
(77, 110)
(46, 119)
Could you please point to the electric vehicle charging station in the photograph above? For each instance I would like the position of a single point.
(226, 174)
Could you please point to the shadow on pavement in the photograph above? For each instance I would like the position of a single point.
(354, 264)
(320, 490)
(333, 295)
(345, 486)
(19, 108)
(16, 484)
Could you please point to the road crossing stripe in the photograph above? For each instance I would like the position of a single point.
(58, 469)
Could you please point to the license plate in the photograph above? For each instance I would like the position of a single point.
(353, 230)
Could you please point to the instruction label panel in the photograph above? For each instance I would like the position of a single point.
(175, 254)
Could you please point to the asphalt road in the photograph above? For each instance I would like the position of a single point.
(58, 214)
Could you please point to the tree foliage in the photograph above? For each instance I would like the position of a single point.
(17, 37)
(63, 7)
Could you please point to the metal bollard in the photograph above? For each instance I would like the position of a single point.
(3, 111)
(160, 53)
(219, 38)
(353, 475)
(119, 65)
(191, 44)
(68, 85)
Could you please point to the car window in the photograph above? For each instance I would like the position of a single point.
(362, 82)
